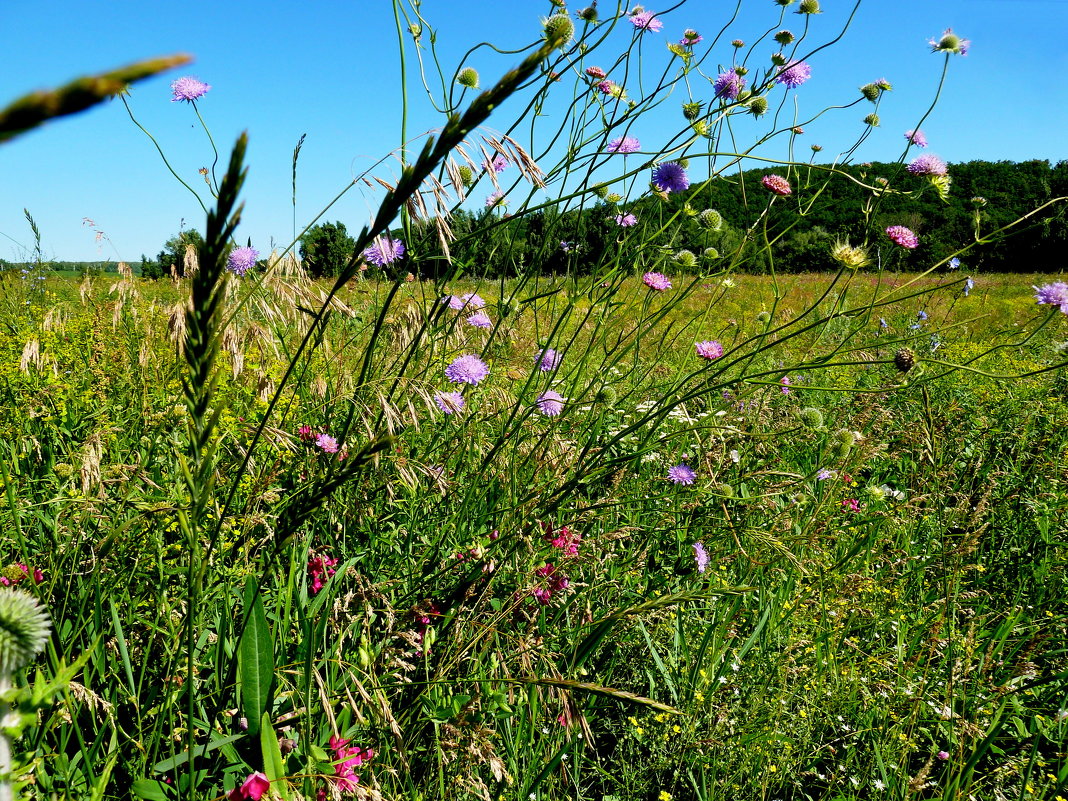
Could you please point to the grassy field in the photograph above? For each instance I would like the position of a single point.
(858, 590)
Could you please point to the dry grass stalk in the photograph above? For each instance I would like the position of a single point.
(190, 261)
(176, 325)
(92, 456)
(31, 356)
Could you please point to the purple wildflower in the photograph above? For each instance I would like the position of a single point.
(550, 403)
(701, 556)
(449, 402)
(776, 184)
(385, 250)
(671, 177)
(825, 474)
(903, 236)
(709, 350)
(626, 220)
(480, 320)
(795, 74)
(950, 43)
(624, 145)
(916, 137)
(461, 302)
(927, 164)
(645, 21)
(1053, 295)
(943, 755)
(188, 89)
(681, 474)
(784, 384)
(547, 360)
(241, 260)
(496, 199)
(326, 443)
(499, 164)
(690, 37)
(657, 281)
(729, 84)
(467, 369)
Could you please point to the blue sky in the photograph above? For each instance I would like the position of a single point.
(331, 70)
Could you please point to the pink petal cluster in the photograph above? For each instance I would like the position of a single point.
(36, 574)
(349, 757)
(320, 569)
(900, 235)
(657, 281)
(555, 582)
(709, 350)
(645, 21)
(777, 185)
(565, 539)
(626, 220)
(253, 787)
(326, 443)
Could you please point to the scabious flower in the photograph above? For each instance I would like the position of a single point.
(710, 349)
(900, 235)
(626, 220)
(188, 89)
(784, 385)
(776, 184)
(449, 402)
(612, 89)
(385, 250)
(795, 74)
(657, 281)
(480, 320)
(701, 557)
(624, 145)
(496, 199)
(645, 21)
(950, 43)
(498, 164)
(468, 369)
(825, 474)
(241, 260)
(690, 37)
(596, 72)
(253, 787)
(550, 403)
(1053, 295)
(916, 137)
(547, 360)
(348, 757)
(729, 84)
(927, 164)
(320, 569)
(326, 443)
(681, 474)
(468, 301)
(671, 177)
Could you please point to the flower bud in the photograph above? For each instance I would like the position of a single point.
(784, 37)
(758, 106)
(710, 219)
(739, 42)
(778, 59)
(816, 148)
(685, 259)
(468, 77)
(559, 29)
(809, 7)
(710, 254)
(872, 120)
(691, 111)
(871, 91)
(904, 360)
(588, 14)
(811, 418)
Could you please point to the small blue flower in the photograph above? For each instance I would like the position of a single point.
(921, 315)
(954, 263)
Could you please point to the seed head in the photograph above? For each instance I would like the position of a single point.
(758, 106)
(685, 258)
(710, 253)
(871, 91)
(559, 30)
(811, 418)
(784, 37)
(23, 629)
(872, 120)
(809, 7)
(904, 359)
(468, 77)
(691, 111)
(710, 219)
(850, 257)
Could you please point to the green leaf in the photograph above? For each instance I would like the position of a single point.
(148, 789)
(176, 761)
(255, 658)
(273, 764)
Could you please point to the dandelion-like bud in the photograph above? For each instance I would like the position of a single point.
(466, 175)
(809, 7)
(24, 629)
(468, 77)
(710, 254)
(811, 418)
(685, 258)
(850, 257)
(710, 219)
(739, 42)
(872, 120)
(784, 37)
(904, 359)
(758, 106)
(691, 111)
(559, 29)
(816, 148)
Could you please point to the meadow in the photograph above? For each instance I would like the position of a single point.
(644, 525)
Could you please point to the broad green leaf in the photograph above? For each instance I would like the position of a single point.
(255, 658)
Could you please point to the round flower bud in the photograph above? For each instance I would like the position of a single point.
(699, 127)
(778, 59)
(606, 395)
(726, 490)
(784, 2)
(872, 120)
(904, 359)
(844, 440)
(466, 175)
(685, 258)
(979, 202)
(468, 77)
(809, 7)
(613, 197)
(588, 14)
(737, 43)
(710, 253)
(816, 148)
(710, 219)
(763, 318)
(850, 257)
(23, 629)
(758, 106)
(601, 190)
(871, 91)
(691, 111)
(811, 418)
(784, 37)
(559, 29)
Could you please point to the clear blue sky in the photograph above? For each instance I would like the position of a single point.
(331, 69)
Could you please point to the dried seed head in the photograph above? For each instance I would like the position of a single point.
(904, 359)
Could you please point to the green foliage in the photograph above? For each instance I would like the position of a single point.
(171, 260)
(326, 248)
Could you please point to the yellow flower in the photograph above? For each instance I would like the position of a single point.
(665, 795)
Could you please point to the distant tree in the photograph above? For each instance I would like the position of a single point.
(150, 270)
(173, 253)
(326, 248)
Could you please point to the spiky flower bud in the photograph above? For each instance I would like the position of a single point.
(850, 257)
(559, 30)
(784, 37)
(726, 490)
(941, 184)
(843, 442)
(904, 359)
(679, 50)
(466, 175)
(811, 418)
(601, 190)
(872, 120)
(710, 253)
(871, 91)
(778, 59)
(742, 71)
(699, 127)
(691, 111)
(613, 197)
(710, 219)
(758, 106)
(739, 42)
(588, 14)
(468, 77)
(685, 258)
(606, 395)
(23, 629)
(816, 148)
(979, 202)
(809, 7)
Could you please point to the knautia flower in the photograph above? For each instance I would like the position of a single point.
(468, 77)
(188, 89)
(825, 474)
(657, 281)
(709, 349)
(326, 443)
(559, 29)
(624, 145)
(950, 43)
(795, 74)
(496, 199)
(450, 402)
(916, 137)
(784, 385)
(596, 73)
(671, 177)
(1055, 294)
(700, 555)
(729, 84)
(498, 164)
(385, 250)
(468, 369)
(645, 21)
(550, 403)
(850, 257)
(461, 302)
(900, 235)
(23, 630)
(927, 164)
(480, 320)
(626, 220)
(681, 474)
(241, 260)
(776, 184)
(547, 360)
(690, 37)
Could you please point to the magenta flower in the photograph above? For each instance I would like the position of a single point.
(729, 84)
(547, 360)
(927, 164)
(670, 177)
(556, 582)
(596, 72)
(241, 260)
(795, 74)
(681, 474)
(657, 281)
(645, 21)
(776, 184)
(326, 443)
(320, 569)
(188, 89)
(480, 320)
(701, 556)
(550, 403)
(253, 787)
(348, 757)
(467, 369)
(851, 505)
(690, 37)
(385, 250)
(709, 350)
(306, 434)
(1053, 295)
(900, 235)
(943, 755)
(566, 540)
(784, 385)
(624, 145)
(449, 402)
(916, 137)
(626, 220)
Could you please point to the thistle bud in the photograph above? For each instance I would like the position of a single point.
(871, 91)
(691, 111)
(588, 14)
(710, 253)
(758, 106)
(778, 59)
(468, 77)
(559, 29)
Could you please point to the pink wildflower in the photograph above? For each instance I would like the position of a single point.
(320, 569)
(326, 443)
(253, 787)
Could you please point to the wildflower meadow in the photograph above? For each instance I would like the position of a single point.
(550, 480)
